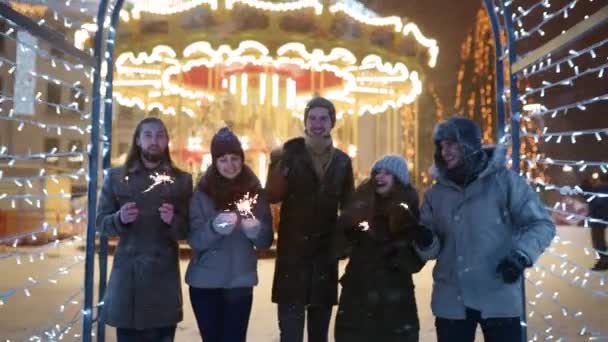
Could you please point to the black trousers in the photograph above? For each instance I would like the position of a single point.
(598, 239)
(165, 334)
(293, 316)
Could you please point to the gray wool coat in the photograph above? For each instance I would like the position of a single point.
(224, 261)
(144, 290)
(474, 228)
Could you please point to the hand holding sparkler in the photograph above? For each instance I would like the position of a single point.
(167, 212)
(421, 234)
(128, 212)
(409, 212)
(251, 227)
(224, 223)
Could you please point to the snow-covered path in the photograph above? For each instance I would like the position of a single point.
(22, 316)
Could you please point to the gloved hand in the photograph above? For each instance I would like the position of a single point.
(224, 223)
(251, 227)
(511, 267)
(422, 236)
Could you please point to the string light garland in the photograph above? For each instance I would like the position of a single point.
(45, 54)
(26, 288)
(43, 189)
(566, 81)
(547, 63)
(522, 34)
(580, 105)
(545, 89)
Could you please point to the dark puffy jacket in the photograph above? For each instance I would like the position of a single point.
(306, 271)
(377, 301)
(144, 290)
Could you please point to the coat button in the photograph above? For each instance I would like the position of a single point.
(456, 218)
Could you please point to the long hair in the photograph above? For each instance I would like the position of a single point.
(134, 155)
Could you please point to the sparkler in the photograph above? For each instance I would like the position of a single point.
(245, 205)
(364, 225)
(407, 208)
(159, 179)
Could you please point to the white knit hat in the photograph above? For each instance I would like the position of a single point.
(395, 165)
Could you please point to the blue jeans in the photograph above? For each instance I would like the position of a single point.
(166, 334)
(291, 322)
(506, 329)
(222, 315)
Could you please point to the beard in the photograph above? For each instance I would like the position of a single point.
(153, 157)
(318, 143)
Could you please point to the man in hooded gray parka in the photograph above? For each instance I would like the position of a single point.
(485, 225)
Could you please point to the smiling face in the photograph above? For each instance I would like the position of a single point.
(318, 122)
(451, 153)
(384, 181)
(229, 165)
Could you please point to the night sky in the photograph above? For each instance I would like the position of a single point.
(448, 22)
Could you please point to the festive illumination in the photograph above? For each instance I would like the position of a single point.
(339, 61)
(475, 90)
(42, 210)
(364, 16)
(558, 152)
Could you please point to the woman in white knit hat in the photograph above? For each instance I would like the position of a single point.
(377, 301)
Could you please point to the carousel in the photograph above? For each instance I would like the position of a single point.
(253, 65)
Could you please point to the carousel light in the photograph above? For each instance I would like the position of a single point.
(162, 8)
(279, 7)
(341, 62)
(232, 84)
(379, 21)
(243, 89)
(262, 167)
(263, 80)
(275, 90)
(207, 161)
(291, 92)
(195, 144)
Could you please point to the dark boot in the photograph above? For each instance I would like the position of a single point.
(601, 264)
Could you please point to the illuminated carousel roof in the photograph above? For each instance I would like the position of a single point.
(197, 50)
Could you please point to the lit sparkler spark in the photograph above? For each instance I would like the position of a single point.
(407, 208)
(159, 179)
(245, 205)
(364, 226)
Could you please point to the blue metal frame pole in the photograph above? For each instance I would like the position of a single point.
(499, 68)
(515, 127)
(89, 264)
(107, 156)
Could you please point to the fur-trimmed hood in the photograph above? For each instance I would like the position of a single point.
(496, 160)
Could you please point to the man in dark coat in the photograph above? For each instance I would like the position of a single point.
(145, 203)
(312, 180)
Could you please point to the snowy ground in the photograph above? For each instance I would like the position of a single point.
(566, 301)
